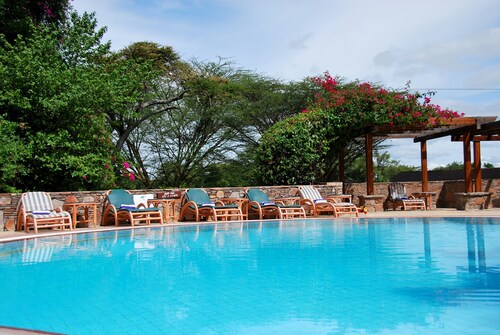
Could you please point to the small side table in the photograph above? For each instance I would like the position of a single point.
(168, 206)
(89, 212)
(242, 204)
(287, 200)
(427, 196)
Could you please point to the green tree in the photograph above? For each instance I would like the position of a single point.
(450, 166)
(13, 153)
(48, 86)
(384, 167)
(186, 142)
(145, 80)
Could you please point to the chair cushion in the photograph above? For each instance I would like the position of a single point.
(309, 192)
(198, 196)
(41, 212)
(124, 206)
(289, 206)
(227, 206)
(135, 209)
(254, 194)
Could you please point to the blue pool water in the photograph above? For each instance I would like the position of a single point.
(397, 276)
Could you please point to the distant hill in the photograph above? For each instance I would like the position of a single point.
(443, 175)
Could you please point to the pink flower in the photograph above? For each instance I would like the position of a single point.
(126, 165)
(131, 176)
(85, 178)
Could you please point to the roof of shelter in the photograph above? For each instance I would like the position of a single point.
(456, 126)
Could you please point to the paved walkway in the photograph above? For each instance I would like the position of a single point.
(442, 212)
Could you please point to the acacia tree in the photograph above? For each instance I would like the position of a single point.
(150, 82)
(145, 81)
(184, 143)
(299, 149)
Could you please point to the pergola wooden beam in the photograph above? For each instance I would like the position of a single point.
(478, 175)
(465, 129)
(423, 166)
(467, 163)
(485, 129)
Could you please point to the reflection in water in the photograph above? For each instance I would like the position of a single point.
(475, 233)
(481, 253)
(39, 250)
(427, 244)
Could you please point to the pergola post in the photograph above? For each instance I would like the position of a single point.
(467, 162)
(478, 176)
(423, 165)
(370, 186)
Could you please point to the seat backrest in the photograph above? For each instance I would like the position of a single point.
(120, 197)
(254, 194)
(397, 190)
(142, 199)
(310, 192)
(37, 201)
(198, 196)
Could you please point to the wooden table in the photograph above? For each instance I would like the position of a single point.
(242, 204)
(427, 196)
(89, 212)
(287, 200)
(168, 206)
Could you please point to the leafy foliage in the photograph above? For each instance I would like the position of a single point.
(299, 149)
(47, 87)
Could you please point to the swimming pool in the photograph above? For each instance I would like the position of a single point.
(397, 276)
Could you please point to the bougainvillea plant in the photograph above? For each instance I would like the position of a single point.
(369, 105)
(298, 150)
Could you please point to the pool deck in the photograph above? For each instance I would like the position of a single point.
(6, 236)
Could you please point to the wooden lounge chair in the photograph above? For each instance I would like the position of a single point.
(260, 204)
(399, 198)
(196, 205)
(119, 207)
(36, 210)
(314, 203)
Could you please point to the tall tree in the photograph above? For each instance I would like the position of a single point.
(185, 142)
(150, 78)
(49, 82)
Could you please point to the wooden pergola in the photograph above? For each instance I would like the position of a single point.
(464, 129)
(483, 129)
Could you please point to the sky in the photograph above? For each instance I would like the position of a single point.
(451, 47)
